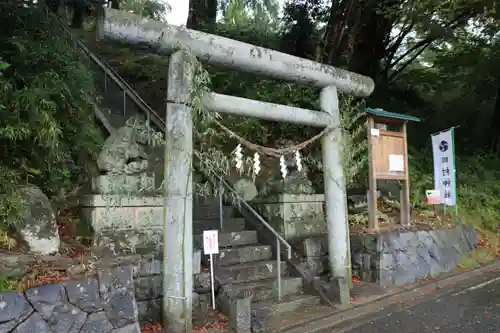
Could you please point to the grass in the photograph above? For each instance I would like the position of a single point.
(487, 251)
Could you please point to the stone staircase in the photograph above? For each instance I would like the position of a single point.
(247, 269)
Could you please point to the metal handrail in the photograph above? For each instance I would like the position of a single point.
(158, 121)
(115, 77)
(253, 211)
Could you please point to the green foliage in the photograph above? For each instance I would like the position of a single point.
(6, 284)
(259, 14)
(154, 9)
(48, 135)
(477, 186)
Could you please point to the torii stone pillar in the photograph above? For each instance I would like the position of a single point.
(335, 197)
(178, 223)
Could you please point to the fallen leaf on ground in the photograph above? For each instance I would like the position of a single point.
(152, 328)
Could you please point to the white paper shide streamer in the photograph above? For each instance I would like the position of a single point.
(298, 160)
(238, 158)
(283, 169)
(256, 164)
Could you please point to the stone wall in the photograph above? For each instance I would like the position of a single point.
(397, 258)
(117, 299)
(394, 258)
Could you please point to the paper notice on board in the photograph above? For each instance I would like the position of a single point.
(375, 132)
(396, 163)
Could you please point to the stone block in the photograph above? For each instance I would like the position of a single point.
(357, 260)
(50, 302)
(149, 311)
(233, 224)
(295, 215)
(365, 275)
(202, 283)
(124, 224)
(148, 287)
(97, 322)
(15, 308)
(196, 262)
(74, 306)
(84, 294)
(114, 278)
(338, 286)
(240, 315)
(121, 308)
(249, 272)
(404, 257)
(150, 266)
(230, 239)
(315, 246)
(34, 323)
(205, 302)
(123, 183)
(245, 254)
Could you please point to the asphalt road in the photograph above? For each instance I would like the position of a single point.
(473, 308)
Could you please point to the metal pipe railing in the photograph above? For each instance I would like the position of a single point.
(160, 123)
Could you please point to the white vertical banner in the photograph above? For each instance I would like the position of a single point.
(443, 149)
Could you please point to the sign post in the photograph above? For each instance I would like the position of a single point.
(211, 247)
(443, 150)
(387, 159)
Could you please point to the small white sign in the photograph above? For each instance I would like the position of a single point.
(211, 242)
(396, 163)
(433, 197)
(375, 132)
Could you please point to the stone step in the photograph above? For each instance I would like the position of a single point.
(264, 289)
(231, 239)
(248, 272)
(228, 225)
(202, 212)
(289, 304)
(244, 254)
(297, 320)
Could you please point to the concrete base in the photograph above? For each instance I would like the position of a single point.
(295, 215)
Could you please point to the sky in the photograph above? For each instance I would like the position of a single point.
(180, 9)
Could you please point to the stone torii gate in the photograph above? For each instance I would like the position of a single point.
(128, 28)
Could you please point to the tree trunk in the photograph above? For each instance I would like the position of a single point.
(495, 121)
(201, 12)
(78, 14)
(54, 5)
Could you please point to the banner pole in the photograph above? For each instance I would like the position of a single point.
(447, 129)
(454, 170)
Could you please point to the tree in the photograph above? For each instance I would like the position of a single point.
(201, 13)
(48, 134)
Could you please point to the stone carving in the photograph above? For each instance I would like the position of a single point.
(38, 227)
(123, 152)
(246, 189)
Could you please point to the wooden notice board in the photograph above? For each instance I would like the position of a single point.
(388, 158)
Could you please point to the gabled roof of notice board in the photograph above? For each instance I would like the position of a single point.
(386, 114)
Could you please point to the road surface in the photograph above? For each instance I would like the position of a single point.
(472, 307)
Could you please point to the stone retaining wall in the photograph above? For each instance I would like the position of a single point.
(396, 258)
(399, 258)
(115, 300)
